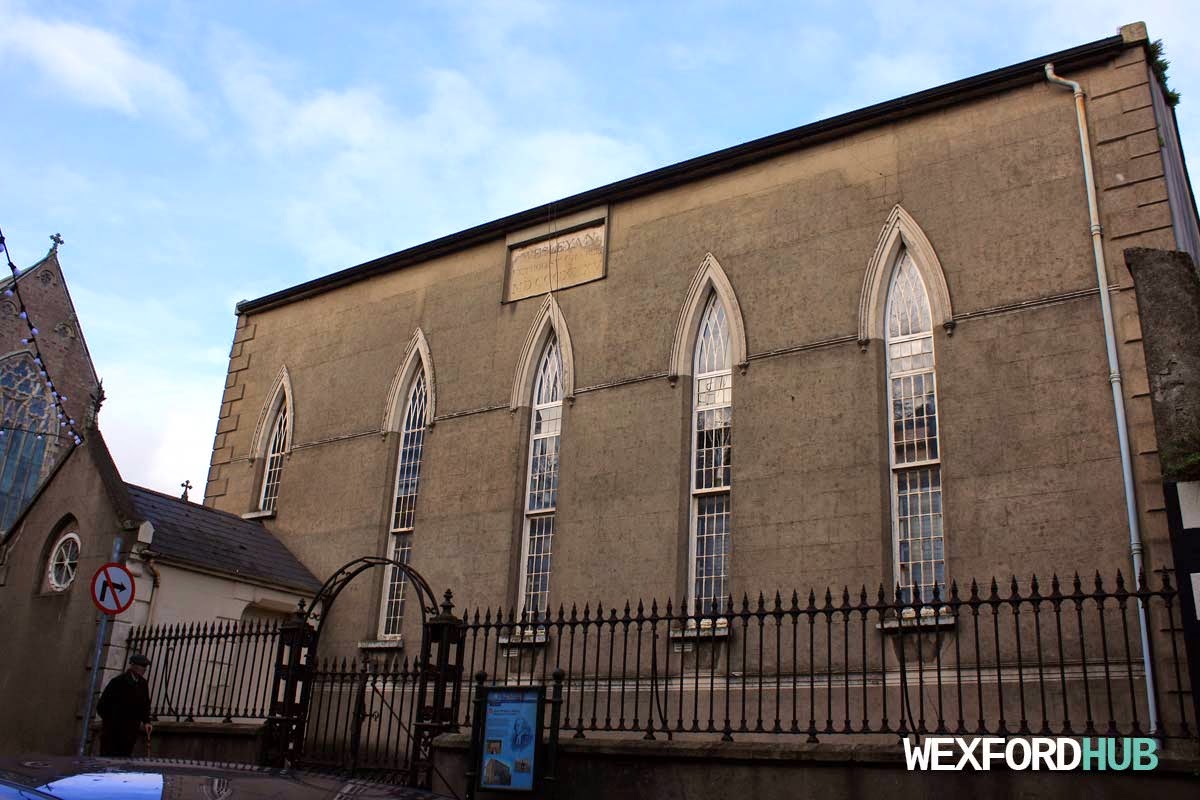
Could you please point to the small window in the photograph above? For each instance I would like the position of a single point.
(64, 561)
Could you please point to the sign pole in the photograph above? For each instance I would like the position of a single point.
(93, 679)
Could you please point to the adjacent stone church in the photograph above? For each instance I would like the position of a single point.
(869, 350)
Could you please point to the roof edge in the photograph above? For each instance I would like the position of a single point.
(910, 105)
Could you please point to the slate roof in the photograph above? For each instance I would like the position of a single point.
(217, 540)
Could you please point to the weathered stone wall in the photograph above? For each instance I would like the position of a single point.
(1168, 296)
(1031, 469)
(49, 636)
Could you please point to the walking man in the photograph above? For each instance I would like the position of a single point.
(125, 709)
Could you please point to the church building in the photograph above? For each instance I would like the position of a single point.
(869, 351)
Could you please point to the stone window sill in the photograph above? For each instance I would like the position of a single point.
(927, 620)
(534, 637)
(259, 514)
(707, 629)
(382, 644)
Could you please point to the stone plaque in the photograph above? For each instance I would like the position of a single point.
(567, 259)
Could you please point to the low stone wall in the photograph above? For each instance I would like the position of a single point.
(599, 770)
(214, 742)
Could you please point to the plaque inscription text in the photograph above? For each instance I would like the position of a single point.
(568, 259)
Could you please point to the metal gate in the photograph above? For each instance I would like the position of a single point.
(377, 717)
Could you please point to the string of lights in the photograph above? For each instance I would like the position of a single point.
(13, 290)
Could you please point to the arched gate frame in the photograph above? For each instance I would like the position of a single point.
(439, 670)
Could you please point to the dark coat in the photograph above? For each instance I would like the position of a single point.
(124, 707)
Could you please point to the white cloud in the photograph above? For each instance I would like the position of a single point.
(378, 177)
(96, 68)
(163, 392)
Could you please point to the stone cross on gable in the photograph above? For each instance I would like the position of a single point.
(57, 239)
(186, 485)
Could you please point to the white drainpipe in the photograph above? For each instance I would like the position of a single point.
(1114, 378)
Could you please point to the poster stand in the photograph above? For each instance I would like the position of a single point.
(513, 751)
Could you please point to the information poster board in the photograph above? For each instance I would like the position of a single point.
(512, 726)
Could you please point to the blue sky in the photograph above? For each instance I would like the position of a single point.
(196, 154)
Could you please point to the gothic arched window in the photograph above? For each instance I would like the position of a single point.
(915, 454)
(273, 463)
(541, 496)
(712, 444)
(28, 433)
(408, 477)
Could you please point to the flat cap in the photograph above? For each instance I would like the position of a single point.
(139, 659)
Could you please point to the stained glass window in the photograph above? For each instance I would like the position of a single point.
(29, 443)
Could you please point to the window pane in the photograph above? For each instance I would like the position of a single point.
(543, 474)
(397, 581)
(540, 531)
(914, 418)
(548, 386)
(712, 344)
(908, 305)
(712, 553)
(714, 448)
(918, 529)
(274, 465)
(412, 444)
(542, 493)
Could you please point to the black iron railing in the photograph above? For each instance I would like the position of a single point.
(1027, 659)
(208, 670)
(361, 716)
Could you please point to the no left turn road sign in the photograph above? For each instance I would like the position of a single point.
(112, 588)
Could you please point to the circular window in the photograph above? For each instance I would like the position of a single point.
(64, 560)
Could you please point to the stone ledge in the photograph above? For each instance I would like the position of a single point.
(209, 728)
